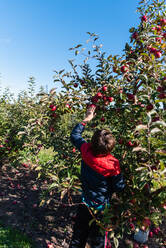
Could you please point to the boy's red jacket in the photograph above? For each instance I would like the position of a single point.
(100, 175)
(105, 165)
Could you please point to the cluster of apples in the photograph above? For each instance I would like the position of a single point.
(53, 109)
(161, 91)
(145, 226)
(160, 31)
(157, 53)
(103, 98)
(100, 96)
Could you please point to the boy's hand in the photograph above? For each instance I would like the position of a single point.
(90, 114)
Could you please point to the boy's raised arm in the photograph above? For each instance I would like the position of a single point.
(76, 134)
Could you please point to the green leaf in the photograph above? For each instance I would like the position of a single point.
(155, 130)
(162, 123)
(143, 77)
(160, 100)
(79, 45)
(116, 242)
(161, 152)
(141, 127)
(21, 133)
(90, 222)
(139, 148)
(52, 91)
(145, 54)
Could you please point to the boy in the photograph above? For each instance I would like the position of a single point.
(100, 177)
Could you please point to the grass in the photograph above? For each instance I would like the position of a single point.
(11, 238)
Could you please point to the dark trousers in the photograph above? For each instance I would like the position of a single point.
(82, 230)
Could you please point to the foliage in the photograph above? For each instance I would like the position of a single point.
(129, 94)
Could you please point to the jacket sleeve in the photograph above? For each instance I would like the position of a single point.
(76, 135)
(116, 183)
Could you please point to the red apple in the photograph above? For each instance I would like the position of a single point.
(152, 49)
(95, 99)
(124, 69)
(158, 39)
(110, 99)
(158, 54)
(132, 226)
(104, 88)
(102, 119)
(158, 28)
(154, 167)
(91, 105)
(54, 115)
(75, 85)
(130, 144)
(51, 129)
(106, 103)
(74, 150)
(53, 108)
(146, 222)
(67, 106)
(155, 119)
(151, 234)
(133, 201)
(149, 107)
(130, 96)
(135, 35)
(156, 231)
(99, 95)
(18, 186)
(164, 206)
(144, 18)
(160, 89)
(25, 165)
(163, 21)
(104, 98)
(34, 187)
(135, 245)
(162, 96)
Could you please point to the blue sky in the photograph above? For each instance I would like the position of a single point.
(35, 35)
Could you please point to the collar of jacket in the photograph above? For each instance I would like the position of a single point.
(106, 165)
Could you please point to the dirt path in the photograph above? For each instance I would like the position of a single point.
(19, 207)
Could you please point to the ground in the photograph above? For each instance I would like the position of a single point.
(20, 192)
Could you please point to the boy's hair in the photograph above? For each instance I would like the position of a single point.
(102, 142)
